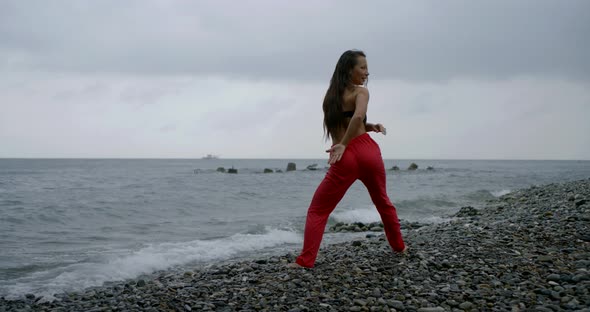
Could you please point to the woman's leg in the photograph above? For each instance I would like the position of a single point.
(373, 177)
(339, 178)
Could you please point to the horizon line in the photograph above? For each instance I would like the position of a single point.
(277, 158)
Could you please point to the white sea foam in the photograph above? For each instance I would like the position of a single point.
(500, 193)
(364, 215)
(143, 261)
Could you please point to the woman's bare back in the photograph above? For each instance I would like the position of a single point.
(348, 105)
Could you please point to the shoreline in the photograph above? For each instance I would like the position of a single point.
(527, 250)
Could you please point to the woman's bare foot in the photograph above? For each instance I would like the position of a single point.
(294, 265)
(403, 252)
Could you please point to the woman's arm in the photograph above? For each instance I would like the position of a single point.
(356, 121)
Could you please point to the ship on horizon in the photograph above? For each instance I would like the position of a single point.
(211, 156)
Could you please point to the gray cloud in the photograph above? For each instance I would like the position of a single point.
(419, 40)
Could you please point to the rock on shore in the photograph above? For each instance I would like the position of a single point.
(526, 251)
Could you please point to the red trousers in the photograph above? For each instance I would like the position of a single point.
(361, 160)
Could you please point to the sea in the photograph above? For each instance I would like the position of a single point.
(70, 224)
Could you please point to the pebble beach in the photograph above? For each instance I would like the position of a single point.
(528, 250)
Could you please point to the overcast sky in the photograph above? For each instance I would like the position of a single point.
(246, 79)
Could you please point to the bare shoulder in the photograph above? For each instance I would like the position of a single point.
(361, 90)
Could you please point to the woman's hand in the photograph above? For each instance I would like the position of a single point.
(336, 152)
(375, 128)
(379, 128)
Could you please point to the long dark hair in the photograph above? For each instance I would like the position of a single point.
(333, 117)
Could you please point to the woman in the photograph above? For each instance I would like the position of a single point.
(353, 155)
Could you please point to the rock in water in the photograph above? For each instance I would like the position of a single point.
(291, 166)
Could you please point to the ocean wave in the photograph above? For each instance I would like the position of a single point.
(501, 193)
(483, 195)
(369, 215)
(144, 261)
(364, 215)
(19, 172)
(479, 195)
(8, 202)
(14, 220)
(426, 202)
